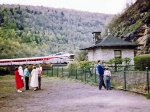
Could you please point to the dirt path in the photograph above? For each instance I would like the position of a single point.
(60, 95)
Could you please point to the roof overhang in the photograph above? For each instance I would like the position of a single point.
(110, 46)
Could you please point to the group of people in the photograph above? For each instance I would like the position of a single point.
(104, 76)
(34, 82)
(36, 73)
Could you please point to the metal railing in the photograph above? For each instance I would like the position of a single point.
(135, 81)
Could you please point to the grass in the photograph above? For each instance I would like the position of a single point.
(6, 77)
(7, 85)
(148, 96)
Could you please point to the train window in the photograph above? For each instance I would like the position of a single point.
(4, 61)
(19, 60)
(60, 53)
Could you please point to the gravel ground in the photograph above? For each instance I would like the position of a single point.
(59, 95)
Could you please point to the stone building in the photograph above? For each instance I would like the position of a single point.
(110, 47)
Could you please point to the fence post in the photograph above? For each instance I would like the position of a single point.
(57, 71)
(125, 80)
(95, 75)
(62, 71)
(52, 71)
(76, 73)
(47, 72)
(115, 67)
(84, 74)
(69, 73)
(147, 79)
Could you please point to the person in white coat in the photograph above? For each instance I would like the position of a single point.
(34, 78)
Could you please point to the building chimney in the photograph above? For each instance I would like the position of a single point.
(96, 37)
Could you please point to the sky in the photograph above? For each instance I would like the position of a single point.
(99, 6)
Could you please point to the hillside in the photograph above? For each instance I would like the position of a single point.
(134, 25)
(36, 31)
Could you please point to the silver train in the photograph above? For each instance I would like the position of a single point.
(58, 58)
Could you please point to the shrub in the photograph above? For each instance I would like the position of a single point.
(114, 61)
(86, 64)
(148, 96)
(4, 70)
(119, 63)
(81, 56)
(142, 61)
(81, 64)
(136, 25)
(72, 65)
(127, 61)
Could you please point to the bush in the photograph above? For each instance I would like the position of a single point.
(148, 96)
(142, 61)
(81, 65)
(121, 61)
(81, 56)
(72, 65)
(86, 64)
(126, 61)
(4, 70)
(136, 25)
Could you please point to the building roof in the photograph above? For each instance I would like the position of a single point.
(111, 41)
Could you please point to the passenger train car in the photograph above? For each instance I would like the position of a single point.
(58, 58)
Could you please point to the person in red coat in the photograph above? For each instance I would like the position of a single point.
(19, 80)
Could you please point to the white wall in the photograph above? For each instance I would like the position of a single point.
(128, 53)
(107, 54)
(90, 55)
(94, 55)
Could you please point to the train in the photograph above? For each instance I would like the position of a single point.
(58, 58)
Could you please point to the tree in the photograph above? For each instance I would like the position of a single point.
(81, 56)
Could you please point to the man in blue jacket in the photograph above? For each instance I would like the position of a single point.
(26, 74)
(100, 70)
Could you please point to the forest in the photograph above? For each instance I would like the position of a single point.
(27, 31)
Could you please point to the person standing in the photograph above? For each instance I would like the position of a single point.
(34, 78)
(100, 71)
(107, 75)
(20, 71)
(19, 80)
(39, 76)
(26, 74)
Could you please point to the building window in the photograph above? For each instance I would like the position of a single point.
(118, 56)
